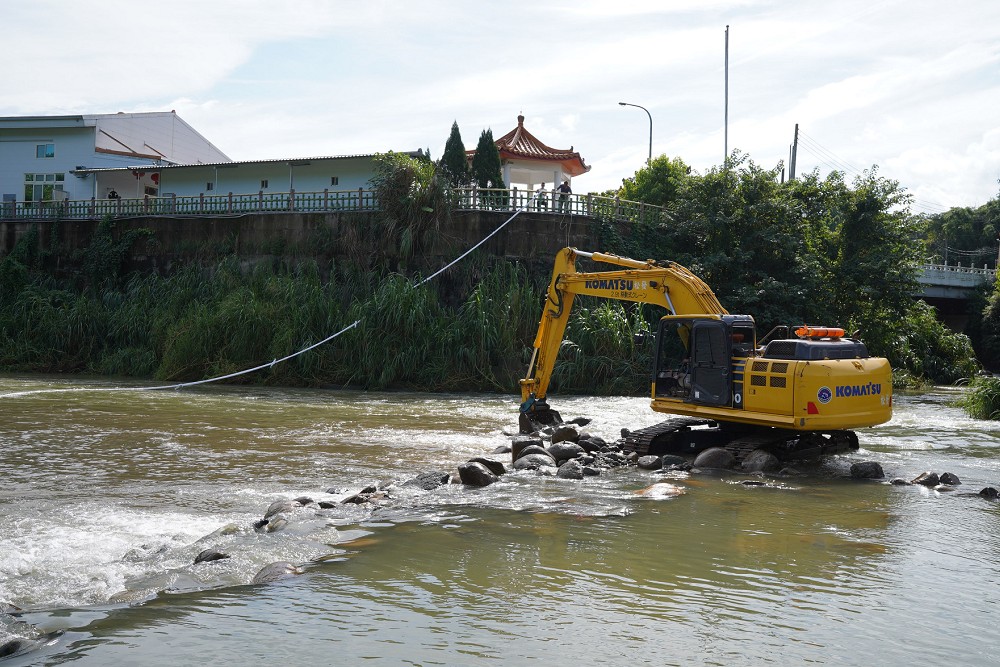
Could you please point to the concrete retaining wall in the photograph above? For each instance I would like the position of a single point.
(531, 238)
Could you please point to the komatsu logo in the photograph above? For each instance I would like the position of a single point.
(613, 283)
(849, 390)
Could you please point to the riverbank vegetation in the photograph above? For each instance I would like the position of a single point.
(816, 251)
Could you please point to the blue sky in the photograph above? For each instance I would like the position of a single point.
(913, 87)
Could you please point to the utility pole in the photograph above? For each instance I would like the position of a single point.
(725, 132)
(795, 151)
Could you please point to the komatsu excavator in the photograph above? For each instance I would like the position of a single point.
(795, 393)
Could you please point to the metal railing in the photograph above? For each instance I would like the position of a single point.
(467, 199)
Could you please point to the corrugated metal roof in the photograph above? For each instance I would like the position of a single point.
(303, 160)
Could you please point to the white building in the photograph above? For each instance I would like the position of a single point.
(268, 177)
(45, 158)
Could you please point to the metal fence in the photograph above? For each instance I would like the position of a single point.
(466, 199)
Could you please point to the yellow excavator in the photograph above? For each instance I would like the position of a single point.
(797, 392)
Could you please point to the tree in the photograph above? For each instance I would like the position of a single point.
(453, 161)
(487, 172)
(657, 183)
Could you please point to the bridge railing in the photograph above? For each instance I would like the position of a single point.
(469, 198)
(984, 271)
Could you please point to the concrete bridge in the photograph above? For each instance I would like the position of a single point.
(948, 289)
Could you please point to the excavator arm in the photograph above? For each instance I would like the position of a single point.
(665, 284)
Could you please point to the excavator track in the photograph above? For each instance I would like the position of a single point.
(691, 435)
(639, 441)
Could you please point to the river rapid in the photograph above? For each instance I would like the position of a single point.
(107, 497)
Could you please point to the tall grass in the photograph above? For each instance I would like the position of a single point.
(471, 329)
(982, 401)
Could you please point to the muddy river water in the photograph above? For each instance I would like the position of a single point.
(107, 497)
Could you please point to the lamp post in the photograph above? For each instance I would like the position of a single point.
(627, 104)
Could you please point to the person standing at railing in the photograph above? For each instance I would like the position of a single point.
(564, 193)
(541, 199)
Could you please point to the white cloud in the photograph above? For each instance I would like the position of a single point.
(908, 86)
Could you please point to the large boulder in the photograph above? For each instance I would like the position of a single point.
(565, 450)
(592, 443)
(532, 449)
(715, 457)
(867, 470)
(519, 443)
(950, 478)
(990, 493)
(494, 466)
(565, 432)
(534, 462)
(760, 460)
(930, 479)
(674, 462)
(571, 469)
(650, 462)
(476, 474)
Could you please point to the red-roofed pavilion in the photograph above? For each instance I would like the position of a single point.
(527, 161)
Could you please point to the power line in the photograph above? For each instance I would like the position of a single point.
(833, 161)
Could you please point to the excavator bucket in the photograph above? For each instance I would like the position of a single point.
(538, 416)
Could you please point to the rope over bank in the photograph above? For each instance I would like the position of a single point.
(273, 362)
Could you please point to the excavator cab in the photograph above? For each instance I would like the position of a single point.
(700, 359)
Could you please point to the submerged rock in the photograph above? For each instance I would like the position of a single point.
(282, 506)
(661, 490)
(275, 572)
(990, 493)
(428, 480)
(580, 421)
(927, 479)
(476, 474)
(867, 470)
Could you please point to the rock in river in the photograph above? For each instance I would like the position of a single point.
(276, 571)
(571, 469)
(564, 451)
(476, 474)
(429, 480)
(715, 457)
(760, 460)
(867, 470)
(209, 555)
(534, 462)
(650, 462)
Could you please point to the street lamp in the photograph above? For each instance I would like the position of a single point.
(626, 104)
